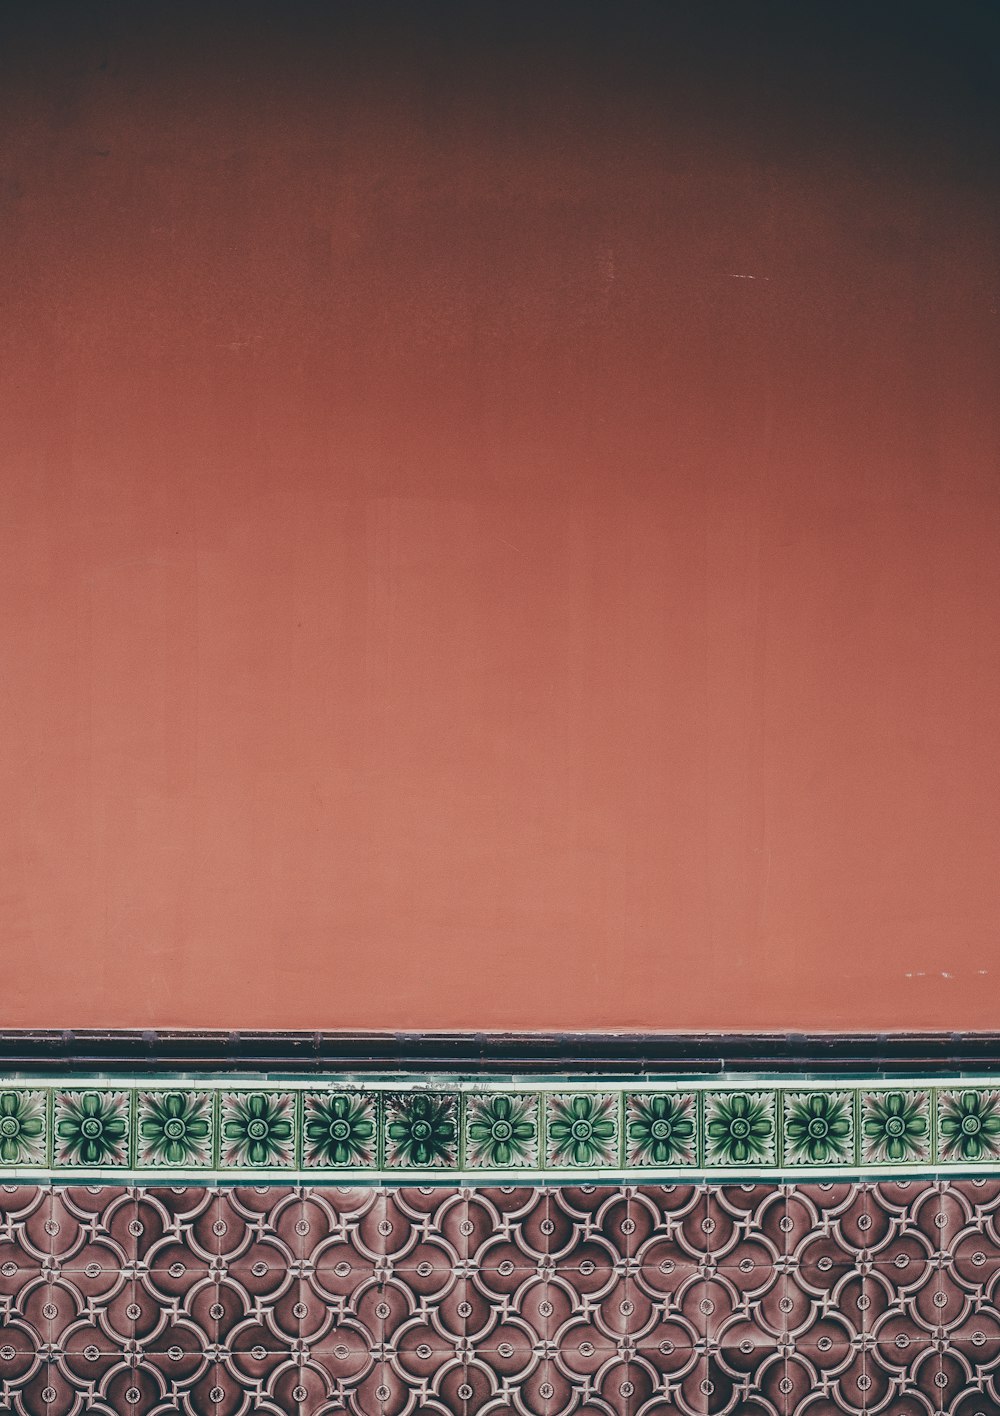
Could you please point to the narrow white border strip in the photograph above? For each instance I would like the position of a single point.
(454, 1082)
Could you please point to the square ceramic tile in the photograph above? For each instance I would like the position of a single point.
(257, 1130)
(673, 1204)
(175, 1128)
(340, 1129)
(597, 1371)
(977, 1340)
(339, 1360)
(421, 1130)
(825, 1340)
(501, 1130)
(905, 1262)
(91, 1128)
(425, 1225)
(215, 1390)
(756, 1367)
(18, 1355)
(517, 1246)
(737, 1212)
(818, 1127)
(669, 1349)
(740, 1128)
(896, 1127)
(900, 1205)
(46, 1390)
(661, 1128)
(968, 1125)
(479, 1226)
(861, 1386)
(77, 1221)
(506, 1361)
(23, 1127)
(581, 1130)
(980, 1196)
(945, 1377)
(174, 1358)
(598, 1239)
(420, 1353)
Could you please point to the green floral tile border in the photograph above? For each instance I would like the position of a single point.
(443, 1129)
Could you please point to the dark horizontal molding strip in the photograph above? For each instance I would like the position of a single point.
(633, 1053)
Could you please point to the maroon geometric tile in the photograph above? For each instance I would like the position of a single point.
(980, 1195)
(507, 1205)
(672, 1201)
(666, 1351)
(581, 1221)
(751, 1360)
(977, 1339)
(620, 1386)
(710, 1389)
(906, 1262)
(338, 1362)
(667, 1265)
(975, 1261)
(977, 1402)
(778, 1299)
(175, 1353)
(737, 1212)
(46, 1393)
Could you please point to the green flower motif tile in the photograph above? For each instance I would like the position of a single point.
(819, 1127)
(467, 1126)
(340, 1130)
(501, 1130)
(661, 1129)
(174, 1128)
(91, 1128)
(969, 1125)
(582, 1130)
(739, 1128)
(895, 1127)
(421, 1131)
(258, 1130)
(22, 1127)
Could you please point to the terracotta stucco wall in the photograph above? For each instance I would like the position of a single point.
(499, 517)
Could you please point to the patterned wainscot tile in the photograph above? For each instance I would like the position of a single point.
(661, 1129)
(340, 1130)
(23, 1116)
(501, 1130)
(968, 1125)
(91, 1128)
(421, 1130)
(740, 1128)
(174, 1128)
(818, 1127)
(895, 1127)
(297, 1314)
(581, 1130)
(258, 1130)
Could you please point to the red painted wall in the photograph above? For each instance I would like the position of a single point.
(499, 517)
